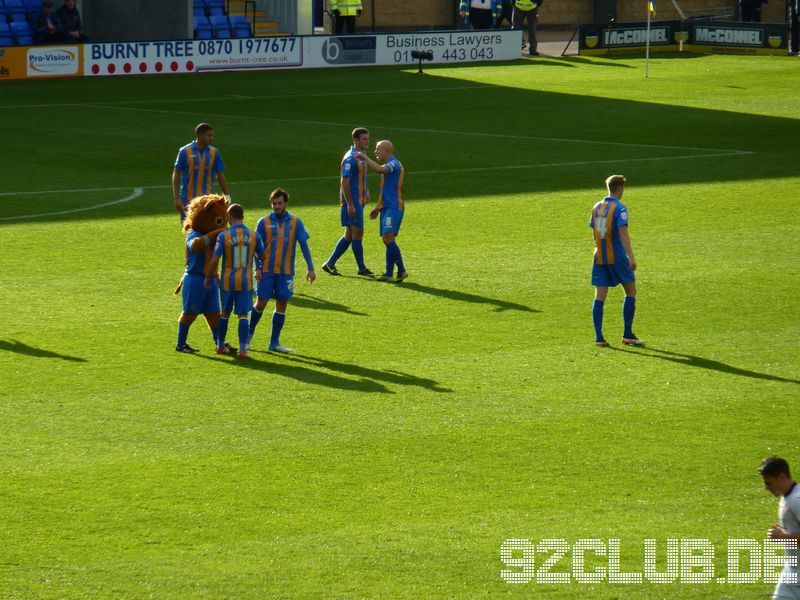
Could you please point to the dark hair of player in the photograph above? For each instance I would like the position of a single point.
(235, 211)
(774, 466)
(279, 192)
(202, 128)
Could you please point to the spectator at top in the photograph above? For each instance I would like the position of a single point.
(70, 20)
(46, 24)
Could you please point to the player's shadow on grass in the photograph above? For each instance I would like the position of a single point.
(21, 348)
(691, 360)
(500, 305)
(366, 373)
(306, 301)
(302, 374)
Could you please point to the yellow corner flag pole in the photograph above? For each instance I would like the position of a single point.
(651, 10)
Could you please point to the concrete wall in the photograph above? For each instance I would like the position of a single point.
(132, 20)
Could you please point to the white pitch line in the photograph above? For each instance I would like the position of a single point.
(435, 172)
(418, 130)
(136, 193)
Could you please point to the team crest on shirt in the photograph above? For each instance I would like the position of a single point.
(346, 166)
(623, 216)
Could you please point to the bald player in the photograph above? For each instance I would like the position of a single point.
(390, 207)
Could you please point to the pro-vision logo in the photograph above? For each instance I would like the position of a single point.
(349, 50)
(52, 61)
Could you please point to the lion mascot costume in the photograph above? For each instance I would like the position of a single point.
(206, 217)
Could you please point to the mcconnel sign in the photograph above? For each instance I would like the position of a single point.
(697, 36)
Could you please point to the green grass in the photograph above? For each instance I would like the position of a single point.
(421, 425)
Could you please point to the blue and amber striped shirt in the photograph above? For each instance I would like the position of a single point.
(356, 170)
(237, 246)
(608, 216)
(279, 236)
(198, 169)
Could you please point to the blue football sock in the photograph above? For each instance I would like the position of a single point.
(628, 310)
(389, 261)
(255, 317)
(398, 258)
(244, 332)
(597, 317)
(183, 333)
(222, 331)
(341, 247)
(278, 319)
(358, 252)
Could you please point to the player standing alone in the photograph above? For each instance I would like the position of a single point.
(614, 262)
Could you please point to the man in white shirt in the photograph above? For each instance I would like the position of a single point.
(778, 481)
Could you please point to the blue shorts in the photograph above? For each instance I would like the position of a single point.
(278, 287)
(357, 220)
(239, 303)
(197, 298)
(611, 275)
(390, 221)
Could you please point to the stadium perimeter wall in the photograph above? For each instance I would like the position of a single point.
(421, 14)
(126, 21)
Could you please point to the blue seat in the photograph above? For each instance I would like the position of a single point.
(199, 12)
(240, 26)
(22, 32)
(6, 39)
(215, 8)
(203, 29)
(222, 28)
(15, 8)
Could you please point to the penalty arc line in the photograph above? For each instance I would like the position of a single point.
(136, 193)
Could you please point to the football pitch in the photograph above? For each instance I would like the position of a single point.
(421, 426)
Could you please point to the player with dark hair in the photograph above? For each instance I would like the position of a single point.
(279, 233)
(614, 262)
(353, 195)
(197, 164)
(391, 206)
(778, 480)
(236, 248)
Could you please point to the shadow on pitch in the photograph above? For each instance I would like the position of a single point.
(20, 348)
(500, 305)
(574, 61)
(306, 301)
(302, 374)
(690, 360)
(366, 373)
